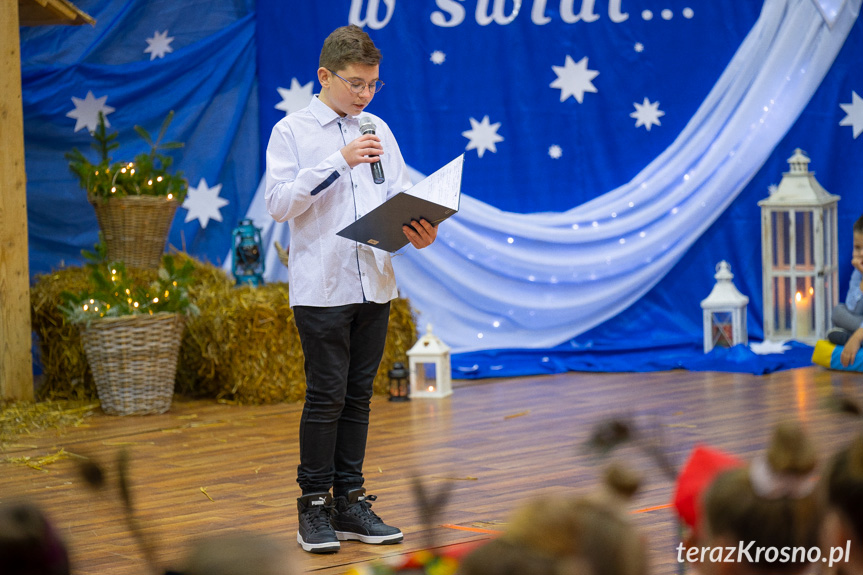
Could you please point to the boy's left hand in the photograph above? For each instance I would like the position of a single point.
(421, 234)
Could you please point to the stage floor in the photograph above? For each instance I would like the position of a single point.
(207, 468)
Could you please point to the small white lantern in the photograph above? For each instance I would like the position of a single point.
(799, 255)
(429, 361)
(724, 312)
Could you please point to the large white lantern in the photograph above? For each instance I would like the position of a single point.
(799, 255)
(724, 312)
(429, 361)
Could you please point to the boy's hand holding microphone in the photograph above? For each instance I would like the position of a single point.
(366, 149)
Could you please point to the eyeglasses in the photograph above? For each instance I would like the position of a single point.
(357, 86)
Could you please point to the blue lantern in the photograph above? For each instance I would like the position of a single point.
(248, 259)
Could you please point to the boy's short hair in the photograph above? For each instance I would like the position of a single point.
(348, 45)
(858, 225)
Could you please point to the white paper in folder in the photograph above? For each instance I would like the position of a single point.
(435, 199)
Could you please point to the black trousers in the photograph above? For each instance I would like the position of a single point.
(343, 347)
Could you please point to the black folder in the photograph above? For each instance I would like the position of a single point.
(434, 199)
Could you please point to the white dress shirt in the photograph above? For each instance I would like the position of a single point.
(311, 186)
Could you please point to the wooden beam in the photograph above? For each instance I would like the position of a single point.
(42, 12)
(16, 362)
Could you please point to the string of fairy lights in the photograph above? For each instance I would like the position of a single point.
(115, 292)
(132, 187)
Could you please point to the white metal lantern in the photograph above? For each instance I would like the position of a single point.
(429, 361)
(724, 312)
(799, 255)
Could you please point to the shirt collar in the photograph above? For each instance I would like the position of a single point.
(326, 115)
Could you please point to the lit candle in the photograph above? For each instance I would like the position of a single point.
(803, 311)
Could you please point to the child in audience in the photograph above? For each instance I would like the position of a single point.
(843, 480)
(28, 543)
(772, 503)
(847, 317)
(240, 554)
(567, 536)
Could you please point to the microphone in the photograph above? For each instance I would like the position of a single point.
(368, 127)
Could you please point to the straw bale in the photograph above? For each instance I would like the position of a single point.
(244, 347)
(401, 336)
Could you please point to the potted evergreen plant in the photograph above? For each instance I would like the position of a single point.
(135, 201)
(131, 326)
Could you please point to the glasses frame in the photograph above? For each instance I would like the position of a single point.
(373, 88)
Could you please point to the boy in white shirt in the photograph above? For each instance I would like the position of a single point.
(339, 290)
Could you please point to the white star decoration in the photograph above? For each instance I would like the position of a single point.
(647, 114)
(296, 98)
(574, 79)
(204, 203)
(855, 114)
(86, 112)
(555, 152)
(438, 57)
(482, 136)
(159, 45)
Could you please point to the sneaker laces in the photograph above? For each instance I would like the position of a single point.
(319, 517)
(363, 510)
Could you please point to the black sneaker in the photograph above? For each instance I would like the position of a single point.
(838, 336)
(315, 534)
(355, 520)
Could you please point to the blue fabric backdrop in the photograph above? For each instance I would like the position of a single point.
(205, 73)
(614, 154)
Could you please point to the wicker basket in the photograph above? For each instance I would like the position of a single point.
(135, 228)
(134, 361)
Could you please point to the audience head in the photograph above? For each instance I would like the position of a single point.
(28, 543)
(843, 480)
(772, 502)
(587, 535)
(241, 554)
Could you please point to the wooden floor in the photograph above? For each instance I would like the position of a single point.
(206, 468)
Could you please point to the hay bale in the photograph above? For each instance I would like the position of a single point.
(65, 373)
(244, 347)
(401, 336)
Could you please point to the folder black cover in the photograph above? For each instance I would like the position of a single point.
(435, 199)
